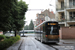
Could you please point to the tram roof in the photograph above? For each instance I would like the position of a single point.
(44, 22)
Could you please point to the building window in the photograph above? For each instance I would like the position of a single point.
(62, 15)
(71, 3)
(72, 15)
(74, 2)
(72, 25)
(62, 5)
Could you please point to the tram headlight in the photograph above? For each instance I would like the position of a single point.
(46, 35)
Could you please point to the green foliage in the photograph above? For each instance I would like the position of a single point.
(12, 15)
(19, 20)
(31, 25)
(7, 37)
(26, 27)
(8, 42)
(4, 14)
(2, 37)
(22, 8)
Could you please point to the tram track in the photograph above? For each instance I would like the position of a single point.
(51, 46)
(20, 45)
(54, 47)
(42, 45)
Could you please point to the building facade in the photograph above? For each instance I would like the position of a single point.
(65, 12)
(44, 14)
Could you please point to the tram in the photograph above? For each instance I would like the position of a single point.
(47, 31)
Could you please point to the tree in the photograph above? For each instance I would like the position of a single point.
(19, 19)
(26, 27)
(31, 25)
(12, 15)
(5, 14)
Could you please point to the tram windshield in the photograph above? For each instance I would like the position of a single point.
(52, 30)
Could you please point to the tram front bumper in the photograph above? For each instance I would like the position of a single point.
(52, 40)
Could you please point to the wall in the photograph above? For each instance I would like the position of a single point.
(67, 32)
(58, 4)
(1, 32)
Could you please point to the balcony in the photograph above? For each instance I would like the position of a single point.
(60, 0)
(62, 20)
(72, 19)
(60, 10)
(70, 7)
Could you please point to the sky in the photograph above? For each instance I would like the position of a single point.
(37, 4)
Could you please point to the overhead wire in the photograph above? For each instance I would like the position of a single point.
(33, 9)
(36, 9)
(50, 0)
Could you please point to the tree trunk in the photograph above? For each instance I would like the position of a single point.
(10, 31)
(4, 32)
(15, 33)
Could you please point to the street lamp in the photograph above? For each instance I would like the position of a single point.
(50, 4)
(23, 27)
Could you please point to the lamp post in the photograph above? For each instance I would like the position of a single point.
(51, 5)
(23, 31)
(23, 27)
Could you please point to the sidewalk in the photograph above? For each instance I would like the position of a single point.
(16, 45)
(67, 41)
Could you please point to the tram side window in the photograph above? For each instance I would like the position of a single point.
(48, 29)
(43, 28)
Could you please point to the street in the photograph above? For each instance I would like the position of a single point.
(30, 43)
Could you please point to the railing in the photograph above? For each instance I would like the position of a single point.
(66, 20)
(62, 20)
(71, 6)
(60, 0)
(72, 19)
(59, 9)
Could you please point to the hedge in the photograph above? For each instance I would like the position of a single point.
(8, 37)
(2, 37)
(8, 42)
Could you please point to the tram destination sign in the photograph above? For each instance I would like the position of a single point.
(52, 23)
